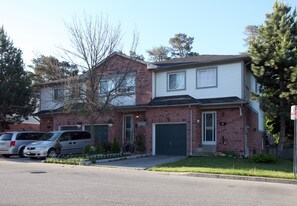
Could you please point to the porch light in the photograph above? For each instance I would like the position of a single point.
(110, 123)
(79, 124)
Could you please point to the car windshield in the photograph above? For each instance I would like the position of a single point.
(48, 137)
(6, 136)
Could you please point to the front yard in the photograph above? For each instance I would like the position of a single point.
(231, 166)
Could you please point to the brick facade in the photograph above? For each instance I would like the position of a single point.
(234, 124)
(22, 127)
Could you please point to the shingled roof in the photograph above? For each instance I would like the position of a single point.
(188, 100)
(200, 60)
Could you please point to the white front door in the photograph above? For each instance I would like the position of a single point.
(209, 133)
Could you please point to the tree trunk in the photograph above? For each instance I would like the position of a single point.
(282, 119)
(92, 131)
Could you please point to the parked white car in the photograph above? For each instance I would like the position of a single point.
(58, 142)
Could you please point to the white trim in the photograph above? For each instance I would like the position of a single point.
(67, 126)
(154, 135)
(124, 127)
(84, 125)
(176, 72)
(215, 124)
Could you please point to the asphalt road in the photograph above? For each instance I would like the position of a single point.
(27, 182)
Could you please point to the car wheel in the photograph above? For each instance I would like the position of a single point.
(52, 153)
(21, 152)
(6, 155)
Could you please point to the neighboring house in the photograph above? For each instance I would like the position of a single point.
(119, 124)
(187, 106)
(30, 124)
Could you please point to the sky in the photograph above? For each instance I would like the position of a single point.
(38, 26)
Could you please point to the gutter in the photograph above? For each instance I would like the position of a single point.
(191, 130)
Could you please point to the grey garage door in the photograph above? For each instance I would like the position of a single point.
(68, 128)
(101, 133)
(171, 139)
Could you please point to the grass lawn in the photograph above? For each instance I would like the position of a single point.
(231, 166)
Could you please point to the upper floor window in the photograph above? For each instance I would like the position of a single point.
(118, 85)
(103, 88)
(127, 85)
(58, 94)
(207, 77)
(176, 81)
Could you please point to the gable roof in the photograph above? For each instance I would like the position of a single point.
(200, 60)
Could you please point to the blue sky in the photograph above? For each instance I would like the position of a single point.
(37, 26)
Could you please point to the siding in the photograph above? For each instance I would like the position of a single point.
(228, 77)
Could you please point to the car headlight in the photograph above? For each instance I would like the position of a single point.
(40, 147)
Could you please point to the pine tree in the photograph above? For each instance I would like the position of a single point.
(274, 63)
(15, 85)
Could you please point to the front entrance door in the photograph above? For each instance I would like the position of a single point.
(128, 130)
(209, 133)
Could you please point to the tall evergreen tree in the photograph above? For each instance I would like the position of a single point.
(274, 63)
(48, 68)
(15, 85)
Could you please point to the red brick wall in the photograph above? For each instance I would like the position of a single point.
(230, 131)
(119, 64)
(22, 127)
(255, 137)
(230, 126)
(46, 124)
(166, 115)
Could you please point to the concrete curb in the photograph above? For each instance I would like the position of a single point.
(114, 159)
(245, 178)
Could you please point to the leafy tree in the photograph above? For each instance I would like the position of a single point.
(15, 85)
(48, 68)
(181, 45)
(274, 63)
(160, 53)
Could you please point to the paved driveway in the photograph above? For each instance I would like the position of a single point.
(142, 163)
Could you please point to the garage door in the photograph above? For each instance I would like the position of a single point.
(101, 133)
(68, 128)
(171, 139)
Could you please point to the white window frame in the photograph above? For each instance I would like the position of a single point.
(130, 80)
(60, 94)
(214, 128)
(203, 70)
(176, 73)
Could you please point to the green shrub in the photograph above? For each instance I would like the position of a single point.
(140, 143)
(100, 150)
(115, 147)
(89, 150)
(106, 146)
(264, 158)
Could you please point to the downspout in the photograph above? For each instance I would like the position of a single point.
(191, 129)
(243, 114)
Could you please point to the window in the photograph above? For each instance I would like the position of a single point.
(176, 81)
(113, 84)
(128, 85)
(206, 77)
(103, 89)
(58, 94)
